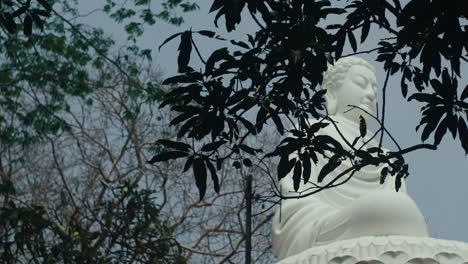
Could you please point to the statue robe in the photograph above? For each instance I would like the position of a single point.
(360, 207)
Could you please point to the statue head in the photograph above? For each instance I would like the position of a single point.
(350, 81)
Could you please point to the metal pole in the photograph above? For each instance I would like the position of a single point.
(248, 220)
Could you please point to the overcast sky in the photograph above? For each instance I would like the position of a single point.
(439, 179)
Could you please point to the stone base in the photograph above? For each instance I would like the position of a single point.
(385, 250)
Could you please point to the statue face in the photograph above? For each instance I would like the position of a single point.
(359, 88)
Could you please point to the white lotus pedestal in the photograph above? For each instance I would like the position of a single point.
(385, 250)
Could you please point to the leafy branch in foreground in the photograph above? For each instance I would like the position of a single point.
(273, 76)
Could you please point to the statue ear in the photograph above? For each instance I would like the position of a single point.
(330, 97)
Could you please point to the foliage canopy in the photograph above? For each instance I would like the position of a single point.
(50, 65)
(275, 74)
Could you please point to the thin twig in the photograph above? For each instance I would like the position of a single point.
(255, 19)
(198, 51)
(360, 52)
(101, 53)
(384, 98)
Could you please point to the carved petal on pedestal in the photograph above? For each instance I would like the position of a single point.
(373, 261)
(423, 261)
(396, 250)
(343, 260)
(394, 257)
(449, 258)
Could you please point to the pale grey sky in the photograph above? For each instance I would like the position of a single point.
(439, 179)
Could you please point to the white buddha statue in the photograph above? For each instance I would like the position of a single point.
(360, 207)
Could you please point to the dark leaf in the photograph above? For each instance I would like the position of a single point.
(332, 164)
(236, 164)
(430, 114)
(324, 139)
(218, 126)
(237, 97)
(207, 33)
(247, 162)
(365, 30)
(464, 94)
(216, 56)
(337, 11)
(214, 176)
(297, 175)
(352, 40)
(422, 97)
(334, 26)
(168, 156)
(233, 10)
(463, 134)
(175, 145)
(394, 68)
(356, 139)
(404, 87)
(364, 155)
(307, 167)
(456, 65)
(452, 124)
(179, 79)
(240, 44)
(398, 181)
(383, 175)
(169, 39)
(40, 12)
(313, 156)
(185, 49)
(285, 166)
(446, 77)
(407, 73)
(374, 150)
(20, 11)
(249, 150)
(181, 118)
(248, 125)
(199, 172)
(362, 126)
(7, 2)
(440, 131)
(8, 21)
(278, 123)
(318, 97)
(27, 29)
(187, 126)
(430, 126)
(261, 118)
(438, 87)
(45, 4)
(38, 21)
(297, 133)
(188, 163)
(218, 15)
(219, 163)
(430, 58)
(213, 146)
(7, 187)
(315, 127)
(339, 45)
(217, 4)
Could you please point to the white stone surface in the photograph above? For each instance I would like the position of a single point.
(385, 250)
(362, 206)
